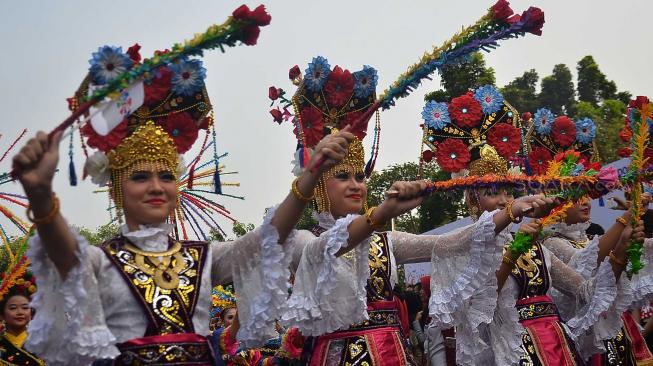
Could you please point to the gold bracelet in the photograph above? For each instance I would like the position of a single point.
(47, 218)
(616, 260)
(622, 221)
(374, 225)
(508, 260)
(510, 215)
(298, 194)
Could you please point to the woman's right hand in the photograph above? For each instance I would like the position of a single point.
(406, 196)
(36, 163)
(333, 148)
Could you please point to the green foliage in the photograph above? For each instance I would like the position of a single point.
(593, 86)
(557, 92)
(241, 228)
(458, 78)
(101, 234)
(521, 93)
(14, 244)
(440, 96)
(306, 220)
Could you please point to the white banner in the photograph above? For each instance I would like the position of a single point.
(112, 112)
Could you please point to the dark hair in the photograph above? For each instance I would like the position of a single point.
(648, 223)
(414, 304)
(5, 300)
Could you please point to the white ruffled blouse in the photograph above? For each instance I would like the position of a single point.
(79, 319)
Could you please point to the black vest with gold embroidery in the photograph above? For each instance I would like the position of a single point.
(531, 273)
(12, 355)
(168, 310)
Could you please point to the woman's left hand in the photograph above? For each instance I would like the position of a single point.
(536, 206)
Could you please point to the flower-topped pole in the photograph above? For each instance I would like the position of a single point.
(641, 113)
(242, 26)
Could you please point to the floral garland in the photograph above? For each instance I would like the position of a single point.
(16, 273)
(497, 24)
(641, 113)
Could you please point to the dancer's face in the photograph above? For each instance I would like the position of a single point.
(347, 192)
(580, 212)
(228, 316)
(17, 313)
(149, 196)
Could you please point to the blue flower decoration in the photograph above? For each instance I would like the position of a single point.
(490, 98)
(365, 82)
(436, 115)
(543, 121)
(187, 77)
(107, 63)
(585, 131)
(317, 73)
(578, 169)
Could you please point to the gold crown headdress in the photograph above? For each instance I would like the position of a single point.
(328, 100)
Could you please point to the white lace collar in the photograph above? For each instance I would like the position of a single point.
(573, 231)
(151, 238)
(324, 219)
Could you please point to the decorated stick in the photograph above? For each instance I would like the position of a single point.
(242, 26)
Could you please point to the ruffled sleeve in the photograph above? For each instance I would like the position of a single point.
(329, 291)
(69, 327)
(259, 268)
(464, 262)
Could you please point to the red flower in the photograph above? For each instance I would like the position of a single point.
(624, 152)
(452, 155)
(108, 142)
(539, 159)
(277, 115)
(274, 93)
(158, 87)
(505, 138)
(564, 131)
(465, 111)
(134, 54)
(250, 35)
(516, 18)
(242, 12)
(349, 119)
(626, 134)
(182, 128)
(638, 102)
(501, 10)
(339, 87)
(428, 155)
(260, 17)
(526, 116)
(312, 126)
(294, 72)
(534, 18)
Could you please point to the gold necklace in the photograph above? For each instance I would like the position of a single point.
(164, 267)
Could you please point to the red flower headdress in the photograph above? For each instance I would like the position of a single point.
(455, 132)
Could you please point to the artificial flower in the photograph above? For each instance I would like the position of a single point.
(350, 119)
(97, 167)
(428, 155)
(505, 138)
(585, 131)
(312, 126)
(317, 73)
(534, 20)
(624, 152)
(608, 176)
(286, 114)
(539, 159)
(452, 155)
(187, 77)
(258, 16)
(365, 82)
(274, 93)
(501, 10)
(638, 102)
(465, 111)
(157, 87)
(626, 134)
(436, 115)
(108, 142)
(277, 115)
(515, 18)
(134, 53)
(526, 116)
(107, 63)
(182, 129)
(250, 35)
(490, 98)
(294, 72)
(543, 121)
(564, 131)
(339, 87)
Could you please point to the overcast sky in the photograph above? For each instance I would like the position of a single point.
(46, 46)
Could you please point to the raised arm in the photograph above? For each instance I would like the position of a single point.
(35, 165)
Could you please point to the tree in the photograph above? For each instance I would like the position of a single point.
(458, 78)
(241, 228)
(557, 92)
(593, 85)
(521, 93)
(101, 234)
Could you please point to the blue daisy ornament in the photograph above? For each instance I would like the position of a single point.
(365, 82)
(543, 120)
(490, 98)
(317, 73)
(107, 63)
(436, 115)
(187, 77)
(585, 131)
